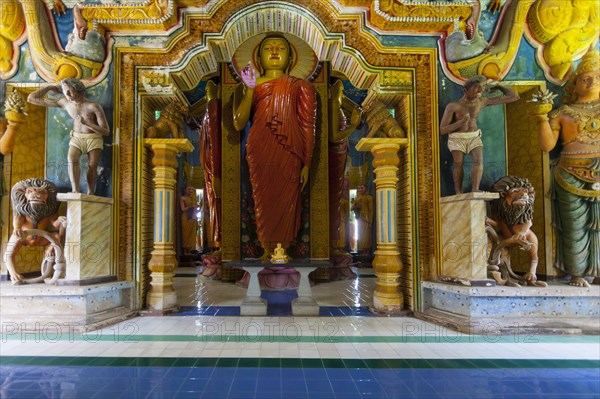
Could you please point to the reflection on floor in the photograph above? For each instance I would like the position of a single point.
(212, 352)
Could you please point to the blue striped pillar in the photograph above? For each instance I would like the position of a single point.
(387, 298)
(162, 297)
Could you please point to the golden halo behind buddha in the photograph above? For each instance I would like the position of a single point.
(304, 59)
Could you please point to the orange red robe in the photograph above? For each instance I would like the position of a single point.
(280, 142)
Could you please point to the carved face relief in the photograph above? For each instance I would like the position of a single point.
(36, 195)
(275, 54)
(588, 85)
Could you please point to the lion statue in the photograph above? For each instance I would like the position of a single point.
(509, 224)
(169, 124)
(35, 223)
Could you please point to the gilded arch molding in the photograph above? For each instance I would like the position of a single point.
(414, 72)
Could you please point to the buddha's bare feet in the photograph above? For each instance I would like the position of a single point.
(579, 282)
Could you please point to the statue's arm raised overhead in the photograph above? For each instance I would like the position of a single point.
(508, 95)
(39, 97)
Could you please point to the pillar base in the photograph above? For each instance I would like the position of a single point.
(387, 306)
(161, 301)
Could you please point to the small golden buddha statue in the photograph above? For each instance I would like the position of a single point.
(279, 255)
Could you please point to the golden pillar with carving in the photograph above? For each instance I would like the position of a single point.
(387, 264)
(163, 261)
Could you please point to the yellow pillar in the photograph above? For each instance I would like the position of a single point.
(387, 264)
(163, 261)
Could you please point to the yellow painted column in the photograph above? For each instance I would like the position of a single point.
(387, 264)
(163, 261)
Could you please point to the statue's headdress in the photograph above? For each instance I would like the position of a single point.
(590, 62)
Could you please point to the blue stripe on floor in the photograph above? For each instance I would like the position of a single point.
(26, 382)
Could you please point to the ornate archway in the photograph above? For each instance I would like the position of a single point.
(204, 41)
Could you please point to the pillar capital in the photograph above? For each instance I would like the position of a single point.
(177, 145)
(165, 150)
(381, 145)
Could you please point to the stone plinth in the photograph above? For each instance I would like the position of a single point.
(558, 308)
(464, 241)
(88, 243)
(41, 307)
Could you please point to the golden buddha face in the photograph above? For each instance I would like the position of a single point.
(275, 54)
(588, 85)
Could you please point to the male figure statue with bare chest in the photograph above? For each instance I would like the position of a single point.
(89, 126)
(460, 123)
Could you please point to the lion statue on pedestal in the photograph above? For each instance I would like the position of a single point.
(36, 223)
(509, 224)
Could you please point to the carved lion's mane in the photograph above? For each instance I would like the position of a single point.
(22, 207)
(509, 213)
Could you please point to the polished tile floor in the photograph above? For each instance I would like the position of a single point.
(209, 351)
